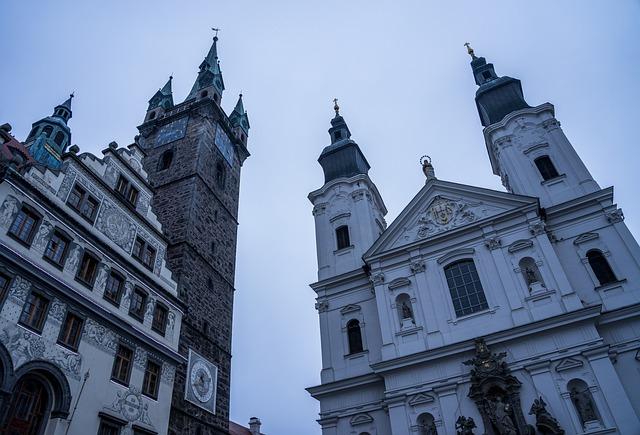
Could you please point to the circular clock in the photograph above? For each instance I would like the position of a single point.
(201, 381)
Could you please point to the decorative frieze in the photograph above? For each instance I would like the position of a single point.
(8, 211)
(100, 336)
(131, 405)
(19, 290)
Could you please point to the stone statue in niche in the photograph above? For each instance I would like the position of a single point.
(583, 402)
(530, 275)
(500, 416)
(465, 425)
(406, 311)
(545, 423)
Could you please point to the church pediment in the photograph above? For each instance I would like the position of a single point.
(362, 418)
(420, 399)
(441, 207)
(568, 364)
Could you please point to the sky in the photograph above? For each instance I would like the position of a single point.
(404, 84)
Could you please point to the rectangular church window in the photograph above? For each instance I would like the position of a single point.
(342, 237)
(466, 290)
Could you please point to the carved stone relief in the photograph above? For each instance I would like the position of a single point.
(42, 236)
(67, 183)
(167, 374)
(100, 337)
(8, 210)
(58, 310)
(116, 225)
(19, 289)
(26, 346)
(75, 252)
(132, 406)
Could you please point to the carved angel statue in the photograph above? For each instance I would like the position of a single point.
(544, 421)
(465, 425)
(406, 311)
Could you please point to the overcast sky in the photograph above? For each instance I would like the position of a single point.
(405, 87)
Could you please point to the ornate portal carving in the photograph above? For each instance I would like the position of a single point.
(544, 421)
(496, 393)
(443, 214)
(465, 425)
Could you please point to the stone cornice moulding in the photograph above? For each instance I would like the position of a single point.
(519, 245)
(421, 398)
(351, 308)
(356, 178)
(362, 418)
(345, 384)
(399, 282)
(456, 253)
(340, 216)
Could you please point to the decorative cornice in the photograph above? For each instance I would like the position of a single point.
(399, 282)
(362, 418)
(351, 308)
(585, 237)
(519, 245)
(568, 364)
(458, 252)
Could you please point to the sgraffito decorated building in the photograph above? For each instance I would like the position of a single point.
(475, 310)
(117, 272)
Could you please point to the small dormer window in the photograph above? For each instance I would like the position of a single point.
(126, 189)
(203, 94)
(337, 135)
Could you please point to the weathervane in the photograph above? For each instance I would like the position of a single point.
(215, 30)
(336, 107)
(470, 50)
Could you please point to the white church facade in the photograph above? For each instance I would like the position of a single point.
(478, 311)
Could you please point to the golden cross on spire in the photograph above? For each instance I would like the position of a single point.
(336, 107)
(470, 50)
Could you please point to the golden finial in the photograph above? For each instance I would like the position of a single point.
(470, 50)
(336, 107)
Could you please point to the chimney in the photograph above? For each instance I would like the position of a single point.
(254, 425)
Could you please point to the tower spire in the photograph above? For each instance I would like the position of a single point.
(496, 96)
(50, 136)
(209, 82)
(240, 120)
(163, 98)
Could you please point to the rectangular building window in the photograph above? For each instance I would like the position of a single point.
(71, 331)
(342, 237)
(151, 379)
(160, 318)
(24, 225)
(88, 268)
(5, 280)
(138, 303)
(144, 252)
(34, 312)
(56, 249)
(122, 365)
(83, 202)
(127, 190)
(466, 290)
(109, 426)
(113, 288)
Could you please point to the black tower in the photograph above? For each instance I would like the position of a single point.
(194, 153)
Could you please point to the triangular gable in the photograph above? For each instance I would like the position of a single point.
(568, 364)
(362, 418)
(420, 398)
(442, 206)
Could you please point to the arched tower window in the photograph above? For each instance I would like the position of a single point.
(600, 267)
(583, 401)
(59, 138)
(546, 168)
(47, 130)
(466, 290)
(221, 174)
(426, 424)
(354, 334)
(151, 116)
(530, 271)
(405, 310)
(342, 237)
(165, 160)
(33, 132)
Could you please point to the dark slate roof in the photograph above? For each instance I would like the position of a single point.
(343, 158)
(499, 97)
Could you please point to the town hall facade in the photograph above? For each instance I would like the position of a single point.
(475, 310)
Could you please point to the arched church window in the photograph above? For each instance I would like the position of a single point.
(354, 335)
(466, 290)
(405, 310)
(530, 271)
(583, 401)
(33, 132)
(221, 174)
(342, 237)
(29, 404)
(165, 160)
(600, 267)
(59, 138)
(546, 167)
(426, 424)
(47, 130)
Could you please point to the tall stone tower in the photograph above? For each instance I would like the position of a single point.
(194, 154)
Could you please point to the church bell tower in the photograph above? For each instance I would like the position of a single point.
(194, 155)
(526, 145)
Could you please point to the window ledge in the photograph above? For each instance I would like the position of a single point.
(84, 283)
(67, 347)
(343, 250)
(357, 354)
(610, 285)
(554, 180)
(59, 266)
(472, 315)
(409, 331)
(540, 295)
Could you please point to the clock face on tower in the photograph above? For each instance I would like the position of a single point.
(224, 145)
(202, 380)
(173, 131)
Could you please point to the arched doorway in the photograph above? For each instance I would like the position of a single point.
(29, 405)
